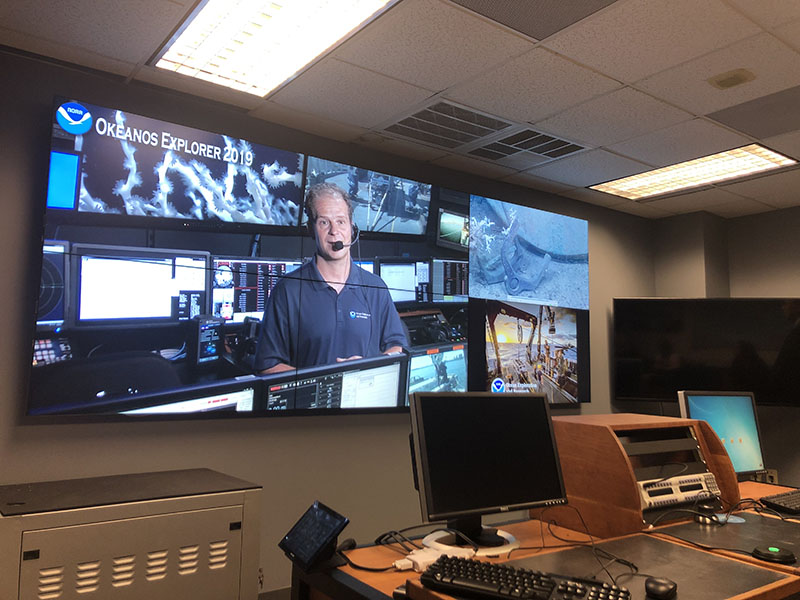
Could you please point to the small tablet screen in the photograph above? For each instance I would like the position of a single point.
(310, 538)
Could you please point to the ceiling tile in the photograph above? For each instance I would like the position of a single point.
(680, 142)
(739, 208)
(534, 86)
(413, 150)
(780, 190)
(764, 117)
(469, 165)
(594, 197)
(537, 183)
(631, 40)
(97, 26)
(642, 210)
(789, 33)
(401, 44)
(343, 92)
(768, 13)
(694, 201)
(776, 67)
(788, 143)
(612, 118)
(588, 168)
(70, 54)
(302, 121)
(535, 18)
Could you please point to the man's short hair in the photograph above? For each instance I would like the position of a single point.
(325, 189)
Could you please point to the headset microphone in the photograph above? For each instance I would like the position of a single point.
(338, 244)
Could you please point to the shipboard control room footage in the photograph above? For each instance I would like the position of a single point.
(163, 244)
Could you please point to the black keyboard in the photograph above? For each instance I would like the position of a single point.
(786, 502)
(484, 580)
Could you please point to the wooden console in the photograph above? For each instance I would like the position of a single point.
(601, 477)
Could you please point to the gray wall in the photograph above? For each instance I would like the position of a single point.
(357, 464)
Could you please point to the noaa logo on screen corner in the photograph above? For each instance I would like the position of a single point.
(74, 118)
(498, 385)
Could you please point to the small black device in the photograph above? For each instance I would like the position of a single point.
(660, 588)
(205, 341)
(774, 554)
(311, 542)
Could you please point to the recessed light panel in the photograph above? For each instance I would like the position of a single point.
(255, 45)
(705, 170)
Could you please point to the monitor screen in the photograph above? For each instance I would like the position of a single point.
(536, 348)
(118, 284)
(127, 167)
(438, 369)
(732, 416)
(479, 453)
(367, 384)
(400, 278)
(238, 400)
(241, 286)
(518, 253)
(383, 203)
(51, 308)
(449, 280)
(452, 230)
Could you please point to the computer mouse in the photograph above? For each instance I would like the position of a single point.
(660, 588)
(774, 554)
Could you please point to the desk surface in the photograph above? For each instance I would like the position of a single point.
(542, 549)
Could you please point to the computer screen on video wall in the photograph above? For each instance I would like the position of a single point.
(161, 239)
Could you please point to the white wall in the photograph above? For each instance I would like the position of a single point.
(357, 464)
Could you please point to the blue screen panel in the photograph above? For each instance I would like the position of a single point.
(63, 180)
(733, 419)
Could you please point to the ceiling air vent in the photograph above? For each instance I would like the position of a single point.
(447, 125)
(527, 141)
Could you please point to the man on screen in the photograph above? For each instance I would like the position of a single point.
(329, 309)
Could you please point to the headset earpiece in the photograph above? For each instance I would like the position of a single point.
(354, 234)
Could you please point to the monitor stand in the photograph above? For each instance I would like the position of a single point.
(490, 541)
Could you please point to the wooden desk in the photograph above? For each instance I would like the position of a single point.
(347, 583)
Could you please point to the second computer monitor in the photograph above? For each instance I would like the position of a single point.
(480, 453)
(732, 416)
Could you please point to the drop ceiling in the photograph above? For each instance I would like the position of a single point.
(551, 95)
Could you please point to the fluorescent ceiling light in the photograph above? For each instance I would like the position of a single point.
(255, 45)
(705, 170)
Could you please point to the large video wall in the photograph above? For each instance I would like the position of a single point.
(162, 245)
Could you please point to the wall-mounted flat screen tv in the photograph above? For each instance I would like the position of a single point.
(663, 345)
(167, 245)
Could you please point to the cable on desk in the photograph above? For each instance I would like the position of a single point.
(349, 544)
(698, 544)
(396, 537)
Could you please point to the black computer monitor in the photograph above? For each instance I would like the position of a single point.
(119, 285)
(732, 416)
(480, 453)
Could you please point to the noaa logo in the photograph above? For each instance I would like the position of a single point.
(74, 118)
(498, 385)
